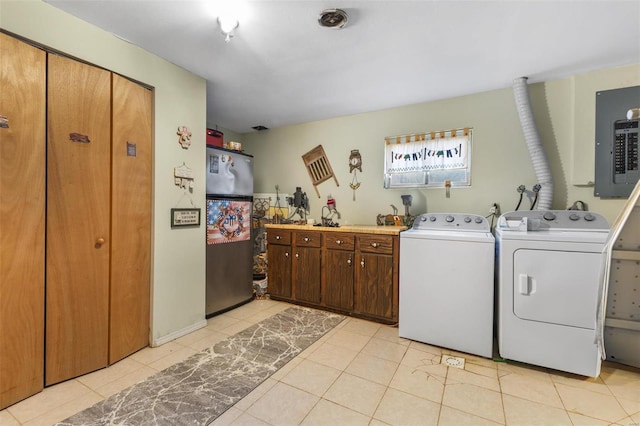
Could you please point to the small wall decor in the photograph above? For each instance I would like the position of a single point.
(318, 167)
(183, 177)
(185, 217)
(184, 137)
(355, 164)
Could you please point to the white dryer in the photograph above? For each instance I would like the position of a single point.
(447, 282)
(550, 266)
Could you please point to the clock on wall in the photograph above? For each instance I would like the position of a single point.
(355, 160)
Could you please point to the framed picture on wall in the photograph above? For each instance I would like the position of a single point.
(185, 217)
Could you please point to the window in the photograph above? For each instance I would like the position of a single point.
(428, 159)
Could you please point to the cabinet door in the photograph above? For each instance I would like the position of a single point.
(131, 218)
(338, 270)
(78, 212)
(22, 219)
(375, 293)
(279, 270)
(306, 275)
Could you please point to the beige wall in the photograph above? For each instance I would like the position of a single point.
(500, 159)
(178, 259)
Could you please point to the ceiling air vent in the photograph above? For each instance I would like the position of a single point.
(333, 18)
(260, 127)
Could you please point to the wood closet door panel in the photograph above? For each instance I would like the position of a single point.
(131, 218)
(22, 219)
(78, 212)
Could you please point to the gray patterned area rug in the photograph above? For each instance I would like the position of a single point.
(199, 389)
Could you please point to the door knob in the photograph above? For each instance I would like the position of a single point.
(99, 242)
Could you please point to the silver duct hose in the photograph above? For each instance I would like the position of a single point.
(532, 138)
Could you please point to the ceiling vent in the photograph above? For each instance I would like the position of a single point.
(333, 18)
(260, 127)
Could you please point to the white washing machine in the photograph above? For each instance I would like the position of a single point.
(447, 282)
(550, 266)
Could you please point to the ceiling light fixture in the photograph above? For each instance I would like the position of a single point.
(227, 25)
(333, 18)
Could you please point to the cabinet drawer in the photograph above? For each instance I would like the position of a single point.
(278, 236)
(382, 244)
(307, 239)
(339, 241)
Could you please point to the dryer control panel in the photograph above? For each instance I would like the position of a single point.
(451, 222)
(537, 220)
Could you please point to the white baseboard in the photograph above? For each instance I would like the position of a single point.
(179, 333)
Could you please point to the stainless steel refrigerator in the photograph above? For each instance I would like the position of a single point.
(229, 268)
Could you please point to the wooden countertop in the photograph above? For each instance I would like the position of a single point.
(361, 229)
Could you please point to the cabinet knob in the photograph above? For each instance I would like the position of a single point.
(286, 254)
(99, 242)
(297, 255)
(348, 261)
(338, 242)
(278, 237)
(374, 245)
(362, 263)
(307, 239)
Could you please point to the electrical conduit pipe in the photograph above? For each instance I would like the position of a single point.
(532, 139)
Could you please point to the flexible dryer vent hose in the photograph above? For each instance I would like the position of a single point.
(532, 138)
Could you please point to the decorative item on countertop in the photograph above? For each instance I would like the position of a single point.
(355, 164)
(408, 218)
(331, 213)
(390, 219)
(301, 204)
(318, 167)
(184, 138)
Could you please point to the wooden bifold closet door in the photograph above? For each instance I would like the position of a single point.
(78, 218)
(75, 218)
(22, 218)
(131, 219)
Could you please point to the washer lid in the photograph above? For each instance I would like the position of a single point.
(458, 235)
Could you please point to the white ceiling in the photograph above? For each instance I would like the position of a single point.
(282, 68)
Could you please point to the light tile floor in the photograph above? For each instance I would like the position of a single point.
(362, 373)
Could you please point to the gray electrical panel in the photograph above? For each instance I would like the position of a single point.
(616, 142)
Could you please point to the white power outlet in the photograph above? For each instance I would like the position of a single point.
(495, 209)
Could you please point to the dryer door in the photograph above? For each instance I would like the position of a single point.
(557, 287)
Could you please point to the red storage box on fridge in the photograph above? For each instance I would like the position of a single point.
(214, 138)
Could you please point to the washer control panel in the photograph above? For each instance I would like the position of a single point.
(451, 222)
(534, 220)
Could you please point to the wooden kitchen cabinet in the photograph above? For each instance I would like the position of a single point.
(376, 286)
(338, 270)
(352, 270)
(279, 263)
(306, 266)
